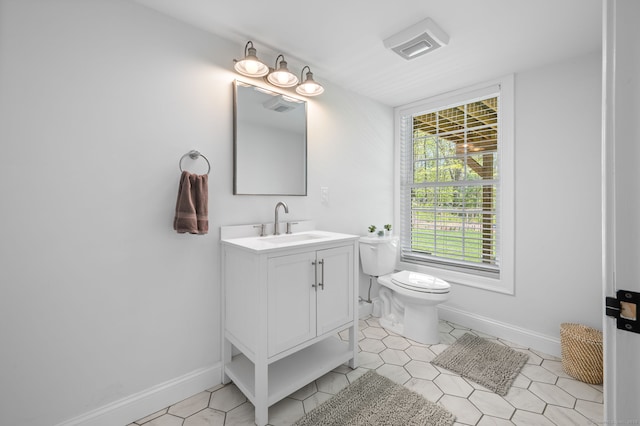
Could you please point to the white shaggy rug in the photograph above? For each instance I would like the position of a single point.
(374, 400)
(489, 364)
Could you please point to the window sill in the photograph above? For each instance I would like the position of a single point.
(502, 284)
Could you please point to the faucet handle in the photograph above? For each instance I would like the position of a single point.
(289, 226)
(261, 226)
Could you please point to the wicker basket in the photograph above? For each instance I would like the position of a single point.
(581, 352)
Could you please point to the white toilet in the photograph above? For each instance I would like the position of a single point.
(409, 299)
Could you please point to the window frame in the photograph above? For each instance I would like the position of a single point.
(504, 281)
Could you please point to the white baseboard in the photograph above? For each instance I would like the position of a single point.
(522, 336)
(148, 401)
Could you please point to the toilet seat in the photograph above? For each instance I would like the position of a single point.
(422, 283)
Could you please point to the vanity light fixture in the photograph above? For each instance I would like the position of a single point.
(250, 65)
(281, 76)
(309, 87)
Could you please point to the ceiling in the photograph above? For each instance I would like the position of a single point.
(342, 40)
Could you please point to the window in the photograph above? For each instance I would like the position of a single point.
(456, 185)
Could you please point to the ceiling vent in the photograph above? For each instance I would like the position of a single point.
(423, 37)
(281, 103)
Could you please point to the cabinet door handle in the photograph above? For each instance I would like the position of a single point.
(315, 274)
(321, 283)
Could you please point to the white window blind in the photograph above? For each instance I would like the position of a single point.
(450, 184)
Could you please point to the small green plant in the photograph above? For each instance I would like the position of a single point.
(387, 227)
(372, 228)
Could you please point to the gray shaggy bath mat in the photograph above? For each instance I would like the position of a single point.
(489, 364)
(374, 400)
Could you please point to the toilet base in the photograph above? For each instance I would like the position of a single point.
(418, 325)
(391, 323)
(421, 324)
(415, 321)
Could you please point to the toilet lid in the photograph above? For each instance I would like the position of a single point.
(420, 282)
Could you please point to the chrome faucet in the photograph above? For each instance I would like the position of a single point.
(276, 226)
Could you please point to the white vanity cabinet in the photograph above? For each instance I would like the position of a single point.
(284, 304)
(308, 294)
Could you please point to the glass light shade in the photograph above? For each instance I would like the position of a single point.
(251, 66)
(309, 87)
(282, 77)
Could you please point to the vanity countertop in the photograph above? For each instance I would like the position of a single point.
(288, 241)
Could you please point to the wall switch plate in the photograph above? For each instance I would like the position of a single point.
(324, 195)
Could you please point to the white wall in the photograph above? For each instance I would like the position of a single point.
(101, 298)
(557, 184)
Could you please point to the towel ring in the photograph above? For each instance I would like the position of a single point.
(194, 155)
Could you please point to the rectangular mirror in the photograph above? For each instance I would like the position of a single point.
(270, 142)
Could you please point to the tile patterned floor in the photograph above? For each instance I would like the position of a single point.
(542, 394)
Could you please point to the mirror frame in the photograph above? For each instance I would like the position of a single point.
(237, 83)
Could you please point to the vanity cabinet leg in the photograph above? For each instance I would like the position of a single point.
(262, 394)
(226, 359)
(353, 346)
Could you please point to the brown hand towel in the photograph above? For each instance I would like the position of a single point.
(192, 204)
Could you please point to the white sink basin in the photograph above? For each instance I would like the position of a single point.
(291, 238)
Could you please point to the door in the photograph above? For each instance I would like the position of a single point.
(291, 302)
(621, 201)
(335, 288)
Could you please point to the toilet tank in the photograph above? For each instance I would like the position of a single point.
(378, 255)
